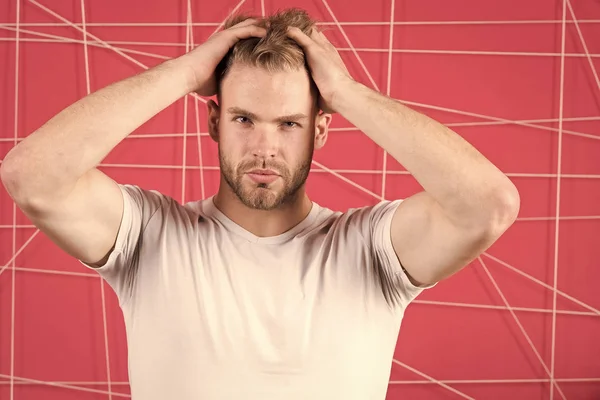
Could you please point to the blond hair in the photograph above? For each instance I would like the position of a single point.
(275, 51)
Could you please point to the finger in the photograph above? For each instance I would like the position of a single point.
(314, 35)
(246, 22)
(300, 37)
(224, 40)
(245, 32)
(220, 33)
(322, 39)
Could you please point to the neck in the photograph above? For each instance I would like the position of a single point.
(263, 223)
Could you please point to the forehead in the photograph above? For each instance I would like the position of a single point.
(251, 87)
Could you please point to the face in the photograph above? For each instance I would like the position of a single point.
(267, 128)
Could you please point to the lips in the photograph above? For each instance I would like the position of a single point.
(263, 172)
(263, 175)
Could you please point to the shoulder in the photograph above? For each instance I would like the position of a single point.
(151, 204)
(371, 216)
(364, 220)
(374, 211)
(358, 213)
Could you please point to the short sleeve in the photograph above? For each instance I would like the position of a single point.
(139, 206)
(376, 223)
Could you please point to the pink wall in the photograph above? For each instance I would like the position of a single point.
(490, 70)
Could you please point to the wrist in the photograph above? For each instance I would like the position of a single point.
(346, 95)
(182, 67)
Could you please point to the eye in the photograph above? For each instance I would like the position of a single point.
(242, 120)
(290, 124)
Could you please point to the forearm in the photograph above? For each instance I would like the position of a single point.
(77, 139)
(467, 185)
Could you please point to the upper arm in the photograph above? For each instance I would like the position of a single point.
(84, 223)
(429, 245)
(370, 228)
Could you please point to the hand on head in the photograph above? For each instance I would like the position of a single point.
(203, 60)
(275, 51)
(326, 66)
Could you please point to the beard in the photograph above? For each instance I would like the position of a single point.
(259, 195)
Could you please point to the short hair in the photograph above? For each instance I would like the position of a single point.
(275, 51)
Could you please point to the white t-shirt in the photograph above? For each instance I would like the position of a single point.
(214, 312)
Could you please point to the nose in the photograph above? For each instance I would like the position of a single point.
(264, 142)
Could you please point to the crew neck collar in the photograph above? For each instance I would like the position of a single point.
(210, 209)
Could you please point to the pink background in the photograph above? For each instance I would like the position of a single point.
(490, 69)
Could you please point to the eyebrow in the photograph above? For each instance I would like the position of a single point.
(283, 118)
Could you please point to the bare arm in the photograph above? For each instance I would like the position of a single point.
(467, 202)
(52, 175)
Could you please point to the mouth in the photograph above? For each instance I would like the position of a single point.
(263, 175)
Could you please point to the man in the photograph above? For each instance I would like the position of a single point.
(257, 292)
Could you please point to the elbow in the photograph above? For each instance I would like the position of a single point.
(504, 208)
(13, 181)
(9, 172)
(17, 180)
(510, 203)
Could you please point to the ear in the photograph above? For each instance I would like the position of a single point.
(214, 114)
(322, 129)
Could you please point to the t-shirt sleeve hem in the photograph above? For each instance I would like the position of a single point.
(392, 257)
(121, 235)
